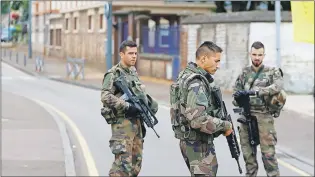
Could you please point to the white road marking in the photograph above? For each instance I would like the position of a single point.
(285, 164)
(92, 170)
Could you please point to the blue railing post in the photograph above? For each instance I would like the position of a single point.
(108, 15)
(175, 67)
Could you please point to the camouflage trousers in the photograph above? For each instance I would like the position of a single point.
(200, 158)
(127, 146)
(268, 140)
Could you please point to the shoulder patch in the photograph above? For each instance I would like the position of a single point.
(195, 85)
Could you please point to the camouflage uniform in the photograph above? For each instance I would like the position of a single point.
(126, 142)
(268, 83)
(194, 120)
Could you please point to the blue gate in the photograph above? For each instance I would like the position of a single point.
(161, 40)
(125, 31)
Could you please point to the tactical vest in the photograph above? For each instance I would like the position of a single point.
(272, 104)
(134, 84)
(178, 100)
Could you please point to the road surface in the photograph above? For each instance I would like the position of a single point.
(80, 109)
(30, 139)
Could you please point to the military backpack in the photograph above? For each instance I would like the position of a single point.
(178, 98)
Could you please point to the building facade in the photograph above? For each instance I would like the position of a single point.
(80, 32)
(236, 32)
(42, 11)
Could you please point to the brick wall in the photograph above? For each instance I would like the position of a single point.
(183, 47)
(232, 38)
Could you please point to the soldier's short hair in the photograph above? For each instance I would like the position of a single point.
(258, 45)
(207, 47)
(125, 44)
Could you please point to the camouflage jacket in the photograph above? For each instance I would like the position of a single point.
(199, 109)
(110, 96)
(268, 83)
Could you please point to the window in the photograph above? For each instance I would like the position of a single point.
(75, 23)
(37, 7)
(90, 22)
(101, 21)
(67, 23)
(51, 37)
(58, 37)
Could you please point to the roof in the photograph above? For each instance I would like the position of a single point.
(236, 17)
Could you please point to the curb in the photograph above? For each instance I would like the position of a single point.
(67, 148)
(55, 79)
(65, 139)
(76, 83)
(19, 68)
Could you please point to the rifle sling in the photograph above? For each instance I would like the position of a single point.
(256, 76)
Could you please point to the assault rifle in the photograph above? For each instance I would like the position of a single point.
(231, 139)
(249, 120)
(146, 114)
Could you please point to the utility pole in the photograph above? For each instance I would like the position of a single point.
(30, 28)
(278, 37)
(108, 14)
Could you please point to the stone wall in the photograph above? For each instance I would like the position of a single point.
(235, 32)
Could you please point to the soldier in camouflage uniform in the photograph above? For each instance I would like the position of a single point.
(128, 131)
(193, 114)
(268, 94)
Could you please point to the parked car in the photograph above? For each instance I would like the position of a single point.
(5, 37)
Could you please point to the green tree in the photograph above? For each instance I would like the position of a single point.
(5, 7)
(25, 15)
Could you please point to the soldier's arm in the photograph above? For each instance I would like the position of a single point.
(275, 87)
(153, 104)
(238, 86)
(107, 94)
(195, 111)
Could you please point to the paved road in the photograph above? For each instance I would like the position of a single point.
(80, 109)
(30, 139)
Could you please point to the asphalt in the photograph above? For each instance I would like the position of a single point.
(295, 130)
(32, 142)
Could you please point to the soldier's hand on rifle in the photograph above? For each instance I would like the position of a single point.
(245, 92)
(228, 129)
(131, 110)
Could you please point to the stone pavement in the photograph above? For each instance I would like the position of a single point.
(31, 140)
(295, 126)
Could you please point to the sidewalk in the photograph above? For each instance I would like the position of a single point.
(32, 143)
